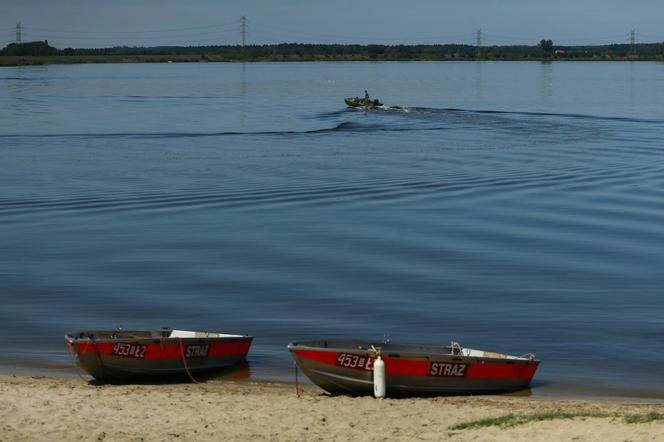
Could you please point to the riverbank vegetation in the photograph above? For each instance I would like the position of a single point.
(42, 53)
(512, 420)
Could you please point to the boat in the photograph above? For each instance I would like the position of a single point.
(133, 355)
(346, 367)
(363, 103)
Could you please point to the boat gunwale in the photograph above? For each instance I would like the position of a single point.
(74, 338)
(508, 359)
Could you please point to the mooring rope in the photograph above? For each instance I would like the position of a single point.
(101, 364)
(72, 357)
(298, 390)
(184, 361)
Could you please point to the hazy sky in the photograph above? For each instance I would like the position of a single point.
(99, 23)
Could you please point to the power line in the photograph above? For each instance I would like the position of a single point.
(281, 31)
(82, 32)
(221, 32)
(277, 33)
(650, 37)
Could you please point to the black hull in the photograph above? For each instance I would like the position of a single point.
(362, 103)
(114, 370)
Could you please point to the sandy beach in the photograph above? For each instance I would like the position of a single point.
(40, 408)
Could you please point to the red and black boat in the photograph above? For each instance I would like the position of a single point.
(131, 355)
(346, 367)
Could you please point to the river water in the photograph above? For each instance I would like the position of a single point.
(512, 206)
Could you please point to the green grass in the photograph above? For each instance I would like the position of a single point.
(643, 418)
(512, 420)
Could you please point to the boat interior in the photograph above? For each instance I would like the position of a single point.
(147, 334)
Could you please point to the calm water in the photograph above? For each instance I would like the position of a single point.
(514, 207)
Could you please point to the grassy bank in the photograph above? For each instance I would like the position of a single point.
(83, 59)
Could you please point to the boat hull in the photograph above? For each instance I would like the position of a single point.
(125, 360)
(363, 103)
(420, 373)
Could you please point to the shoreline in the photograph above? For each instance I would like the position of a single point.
(540, 389)
(245, 374)
(59, 60)
(70, 409)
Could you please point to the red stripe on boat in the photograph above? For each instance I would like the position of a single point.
(229, 348)
(411, 367)
(170, 350)
(326, 357)
(502, 371)
(406, 367)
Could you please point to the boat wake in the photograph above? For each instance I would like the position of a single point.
(448, 117)
(418, 110)
(345, 126)
(516, 127)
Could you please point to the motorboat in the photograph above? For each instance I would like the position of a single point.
(363, 103)
(129, 355)
(346, 367)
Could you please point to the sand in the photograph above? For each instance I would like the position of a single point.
(39, 408)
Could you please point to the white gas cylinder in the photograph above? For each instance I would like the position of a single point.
(379, 377)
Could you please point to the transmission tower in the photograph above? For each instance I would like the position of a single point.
(478, 42)
(18, 32)
(632, 42)
(243, 29)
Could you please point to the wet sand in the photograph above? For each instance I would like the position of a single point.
(40, 408)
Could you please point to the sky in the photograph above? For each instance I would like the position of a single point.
(104, 23)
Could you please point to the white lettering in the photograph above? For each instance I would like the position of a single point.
(445, 369)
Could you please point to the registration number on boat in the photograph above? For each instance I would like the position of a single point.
(358, 362)
(129, 350)
(447, 369)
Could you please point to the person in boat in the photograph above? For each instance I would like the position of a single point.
(367, 100)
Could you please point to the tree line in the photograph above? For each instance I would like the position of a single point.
(545, 49)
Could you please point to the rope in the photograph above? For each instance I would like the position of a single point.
(184, 361)
(298, 390)
(72, 357)
(101, 364)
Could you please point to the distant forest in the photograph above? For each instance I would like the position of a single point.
(25, 53)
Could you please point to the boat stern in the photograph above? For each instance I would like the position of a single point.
(335, 371)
